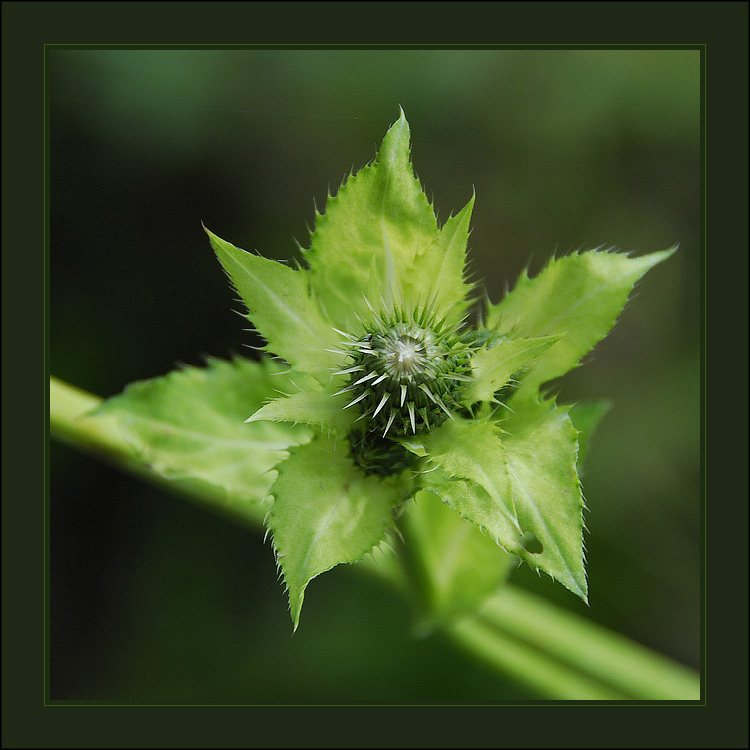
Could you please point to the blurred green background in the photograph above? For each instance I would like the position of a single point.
(156, 600)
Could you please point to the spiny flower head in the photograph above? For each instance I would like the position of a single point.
(406, 370)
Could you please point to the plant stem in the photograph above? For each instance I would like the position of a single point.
(557, 653)
(517, 630)
(529, 665)
(69, 422)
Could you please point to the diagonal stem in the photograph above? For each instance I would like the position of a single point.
(540, 644)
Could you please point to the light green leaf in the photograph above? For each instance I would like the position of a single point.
(522, 487)
(372, 242)
(281, 308)
(541, 453)
(325, 512)
(493, 368)
(580, 295)
(472, 450)
(457, 565)
(189, 425)
(314, 407)
(440, 270)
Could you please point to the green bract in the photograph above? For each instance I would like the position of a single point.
(404, 403)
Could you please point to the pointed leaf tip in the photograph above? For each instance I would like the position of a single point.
(325, 512)
(281, 308)
(394, 149)
(365, 245)
(581, 294)
(311, 407)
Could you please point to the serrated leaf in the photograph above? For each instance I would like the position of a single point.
(493, 368)
(325, 512)
(469, 474)
(472, 450)
(440, 270)
(281, 308)
(580, 295)
(585, 417)
(459, 566)
(523, 484)
(313, 407)
(189, 424)
(541, 453)
(371, 244)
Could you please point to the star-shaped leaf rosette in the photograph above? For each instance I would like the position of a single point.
(425, 429)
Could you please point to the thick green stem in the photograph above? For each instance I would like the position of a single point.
(529, 665)
(516, 630)
(69, 422)
(558, 654)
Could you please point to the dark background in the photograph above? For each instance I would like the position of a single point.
(155, 600)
